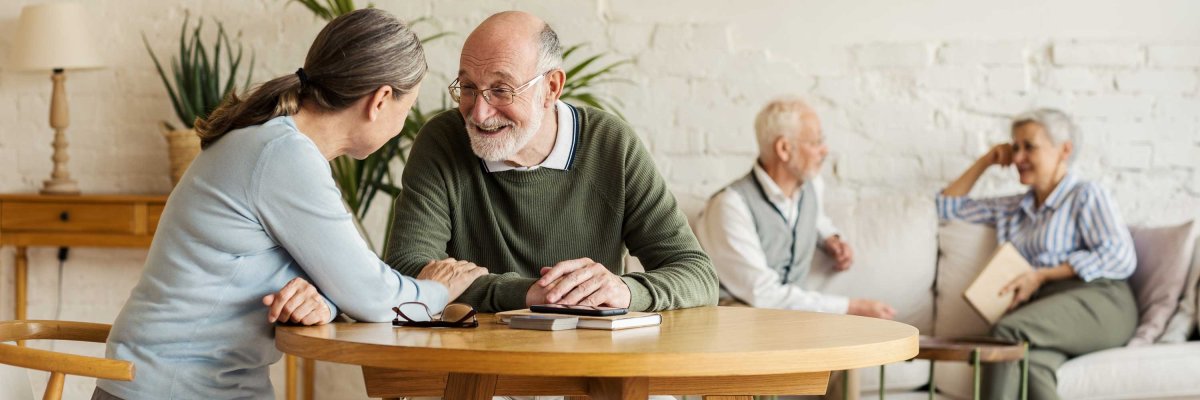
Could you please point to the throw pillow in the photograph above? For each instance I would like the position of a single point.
(1183, 323)
(1163, 257)
(963, 250)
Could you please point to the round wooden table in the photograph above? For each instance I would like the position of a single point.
(731, 351)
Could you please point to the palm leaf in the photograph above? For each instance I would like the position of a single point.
(571, 73)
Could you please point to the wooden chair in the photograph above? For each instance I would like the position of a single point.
(59, 364)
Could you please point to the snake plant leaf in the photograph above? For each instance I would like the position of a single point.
(200, 80)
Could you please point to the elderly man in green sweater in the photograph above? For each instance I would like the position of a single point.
(546, 195)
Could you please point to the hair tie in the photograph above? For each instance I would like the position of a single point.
(303, 77)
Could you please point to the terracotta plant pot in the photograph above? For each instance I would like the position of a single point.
(182, 147)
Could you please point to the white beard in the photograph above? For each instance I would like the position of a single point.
(503, 146)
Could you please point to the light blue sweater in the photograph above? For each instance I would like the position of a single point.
(256, 209)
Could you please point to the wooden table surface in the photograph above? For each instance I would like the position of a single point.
(692, 343)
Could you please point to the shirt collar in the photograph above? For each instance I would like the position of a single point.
(774, 193)
(561, 155)
(1056, 198)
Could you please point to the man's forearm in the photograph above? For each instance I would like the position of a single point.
(691, 283)
(497, 292)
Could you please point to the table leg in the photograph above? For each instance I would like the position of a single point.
(882, 386)
(846, 385)
(289, 366)
(619, 388)
(470, 386)
(976, 370)
(310, 367)
(851, 387)
(22, 272)
(932, 382)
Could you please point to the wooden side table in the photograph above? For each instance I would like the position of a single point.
(68, 221)
(111, 220)
(974, 350)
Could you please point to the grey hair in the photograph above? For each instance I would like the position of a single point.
(1058, 126)
(351, 57)
(550, 52)
(781, 117)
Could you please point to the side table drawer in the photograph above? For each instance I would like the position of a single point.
(66, 217)
(153, 214)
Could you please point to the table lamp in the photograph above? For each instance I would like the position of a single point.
(55, 37)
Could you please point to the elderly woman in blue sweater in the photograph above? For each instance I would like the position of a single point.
(1076, 300)
(258, 210)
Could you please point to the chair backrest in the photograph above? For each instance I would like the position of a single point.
(59, 364)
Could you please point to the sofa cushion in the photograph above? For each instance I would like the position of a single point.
(963, 250)
(1159, 371)
(1147, 372)
(894, 240)
(895, 255)
(1163, 257)
(1183, 323)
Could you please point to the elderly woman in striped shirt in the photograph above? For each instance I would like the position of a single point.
(1076, 300)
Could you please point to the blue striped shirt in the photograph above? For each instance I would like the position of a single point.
(1078, 225)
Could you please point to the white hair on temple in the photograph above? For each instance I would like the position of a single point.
(1058, 126)
(779, 118)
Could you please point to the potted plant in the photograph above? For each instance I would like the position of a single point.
(197, 84)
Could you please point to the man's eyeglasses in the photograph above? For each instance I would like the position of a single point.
(497, 96)
(819, 141)
(455, 315)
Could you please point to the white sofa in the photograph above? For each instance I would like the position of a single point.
(905, 258)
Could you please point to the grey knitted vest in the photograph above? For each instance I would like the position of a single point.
(788, 250)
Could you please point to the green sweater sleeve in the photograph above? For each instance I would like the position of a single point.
(678, 273)
(421, 225)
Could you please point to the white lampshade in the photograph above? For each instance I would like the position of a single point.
(54, 35)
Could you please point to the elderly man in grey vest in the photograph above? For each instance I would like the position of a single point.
(761, 230)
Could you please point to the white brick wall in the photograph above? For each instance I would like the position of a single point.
(908, 96)
(1174, 56)
(1098, 54)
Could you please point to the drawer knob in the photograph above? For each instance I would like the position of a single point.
(65, 216)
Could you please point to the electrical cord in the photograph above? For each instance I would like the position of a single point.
(63, 252)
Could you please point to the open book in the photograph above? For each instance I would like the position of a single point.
(632, 319)
(984, 293)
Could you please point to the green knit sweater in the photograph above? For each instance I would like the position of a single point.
(515, 222)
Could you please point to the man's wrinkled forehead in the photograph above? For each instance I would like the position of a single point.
(497, 62)
(494, 69)
(503, 47)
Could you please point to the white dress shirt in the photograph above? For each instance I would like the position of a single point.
(726, 231)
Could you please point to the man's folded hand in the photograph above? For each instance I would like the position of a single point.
(579, 282)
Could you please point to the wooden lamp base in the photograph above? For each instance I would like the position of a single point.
(60, 181)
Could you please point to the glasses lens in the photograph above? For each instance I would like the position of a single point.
(455, 312)
(501, 97)
(414, 312)
(456, 94)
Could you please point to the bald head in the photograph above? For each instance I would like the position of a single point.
(517, 40)
(514, 21)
